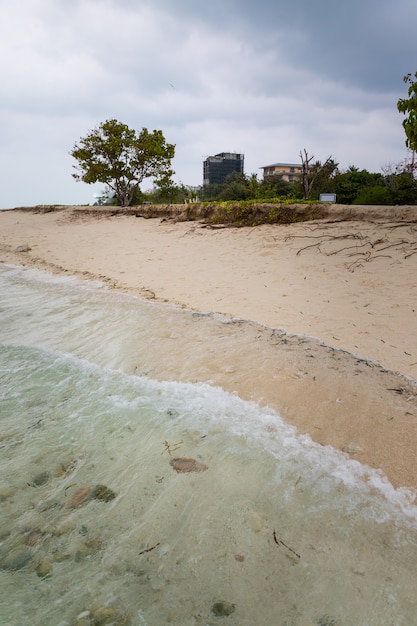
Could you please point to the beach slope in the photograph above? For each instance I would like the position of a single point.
(332, 343)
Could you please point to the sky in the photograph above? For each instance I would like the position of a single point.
(266, 79)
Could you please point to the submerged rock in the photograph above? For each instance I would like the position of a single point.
(6, 492)
(85, 494)
(41, 479)
(43, 569)
(102, 615)
(223, 609)
(183, 465)
(33, 539)
(87, 548)
(326, 620)
(15, 559)
(80, 497)
(65, 467)
(103, 493)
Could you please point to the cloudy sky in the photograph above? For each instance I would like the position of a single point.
(265, 78)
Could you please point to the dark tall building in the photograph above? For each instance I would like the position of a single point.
(216, 168)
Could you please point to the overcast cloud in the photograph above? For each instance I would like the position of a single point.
(265, 78)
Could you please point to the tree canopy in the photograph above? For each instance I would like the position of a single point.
(397, 185)
(408, 106)
(122, 158)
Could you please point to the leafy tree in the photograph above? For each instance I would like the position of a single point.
(401, 180)
(211, 192)
(138, 197)
(408, 106)
(379, 194)
(235, 187)
(274, 186)
(122, 158)
(347, 184)
(167, 192)
(404, 188)
(254, 187)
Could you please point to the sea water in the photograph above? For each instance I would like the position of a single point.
(99, 527)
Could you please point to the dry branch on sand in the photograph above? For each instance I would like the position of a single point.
(374, 246)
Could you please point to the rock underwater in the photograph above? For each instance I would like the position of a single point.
(182, 465)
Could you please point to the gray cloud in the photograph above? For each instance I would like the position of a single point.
(266, 79)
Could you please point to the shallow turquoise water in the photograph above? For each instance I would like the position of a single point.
(281, 529)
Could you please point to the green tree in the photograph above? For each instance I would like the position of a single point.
(378, 194)
(211, 192)
(347, 184)
(408, 106)
(122, 158)
(274, 186)
(235, 187)
(165, 191)
(401, 180)
(405, 191)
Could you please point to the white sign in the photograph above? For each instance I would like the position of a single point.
(327, 197)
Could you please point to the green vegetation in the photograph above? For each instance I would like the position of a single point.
(408, 106)
(373, 195)
(253, 213)
(397, 185)
(120, 158)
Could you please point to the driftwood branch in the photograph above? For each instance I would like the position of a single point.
(279, 542)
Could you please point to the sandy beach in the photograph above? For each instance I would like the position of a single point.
(332, 343)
